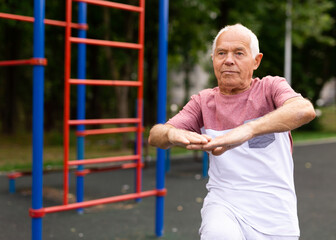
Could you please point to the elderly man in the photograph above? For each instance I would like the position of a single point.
(244, 124)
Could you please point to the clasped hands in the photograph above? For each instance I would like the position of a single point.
(217, 145)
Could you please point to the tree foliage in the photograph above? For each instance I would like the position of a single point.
(192, 26)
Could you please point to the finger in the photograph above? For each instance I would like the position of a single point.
(207, 137)
(194, 147)
(190, 138)
(181, 141)
(212, 145)
(197, 139)
(218, 151)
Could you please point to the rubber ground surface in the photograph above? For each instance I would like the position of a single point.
(315, 177)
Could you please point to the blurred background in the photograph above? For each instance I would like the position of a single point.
(193, 24)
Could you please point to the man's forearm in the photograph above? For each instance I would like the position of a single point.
(165, 136)
(293, 114)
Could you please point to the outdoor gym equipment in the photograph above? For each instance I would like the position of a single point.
(37, 212)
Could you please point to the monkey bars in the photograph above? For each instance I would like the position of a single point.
(130, 161)
(35, 61)
(46, 21)
(81, 81)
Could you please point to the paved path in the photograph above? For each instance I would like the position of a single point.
(315, 176)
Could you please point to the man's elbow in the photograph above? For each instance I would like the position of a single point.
(151, 140)
(312, 115)
(158, 136)
(307, 112)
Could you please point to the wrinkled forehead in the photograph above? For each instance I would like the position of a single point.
(234, 37)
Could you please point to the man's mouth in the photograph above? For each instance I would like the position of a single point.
(229, 72)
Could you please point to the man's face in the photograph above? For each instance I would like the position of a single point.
(233, 62)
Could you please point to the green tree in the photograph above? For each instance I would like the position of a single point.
(191, 31)
(16, 37)
(313, 38)
(192, 26)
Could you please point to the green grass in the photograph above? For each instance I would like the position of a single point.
(16, 153)
(322, 127)
(16, 150)
(328, 119)
(299, 136)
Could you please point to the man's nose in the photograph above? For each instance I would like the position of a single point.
(229, 60)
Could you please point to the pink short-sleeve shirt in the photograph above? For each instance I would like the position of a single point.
(254, 180)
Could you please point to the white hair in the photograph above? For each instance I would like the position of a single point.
(254, 43)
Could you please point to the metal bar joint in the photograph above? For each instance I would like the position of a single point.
(38, 61)
(37, 213)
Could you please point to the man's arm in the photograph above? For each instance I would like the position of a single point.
(165, 136)
(294, 113)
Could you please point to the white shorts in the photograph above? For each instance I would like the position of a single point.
(220, 223)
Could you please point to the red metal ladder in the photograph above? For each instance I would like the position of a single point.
(138, 122)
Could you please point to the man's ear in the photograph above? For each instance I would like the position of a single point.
(257, 60)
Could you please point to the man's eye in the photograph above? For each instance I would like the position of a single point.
(240, 53)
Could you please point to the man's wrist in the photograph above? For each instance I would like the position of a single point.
(252, 129)
(169, 128)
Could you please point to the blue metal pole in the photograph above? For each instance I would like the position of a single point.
(38, 91)
(205, 161)
(161, 109)
(81, 89)
(12, 188)
(167, 160)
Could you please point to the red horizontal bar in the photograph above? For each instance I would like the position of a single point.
(106, 82)
(103, 160)
(105, 169)
(46, 21)
(38, 61)
(15, 175)
(32, 61)
(15, 62)
(104, 121)
(112, 5)
(37, 213)
(106, 43)
(106, 131)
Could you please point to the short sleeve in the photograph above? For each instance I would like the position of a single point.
(190, 117)
(282, 91)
